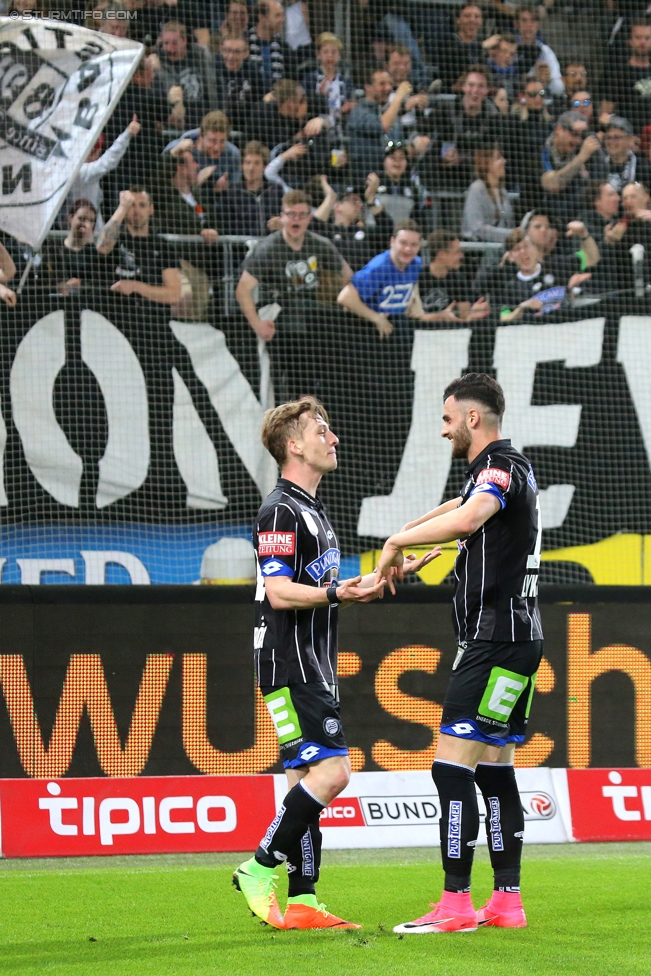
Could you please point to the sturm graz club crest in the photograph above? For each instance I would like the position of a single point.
(58, 84)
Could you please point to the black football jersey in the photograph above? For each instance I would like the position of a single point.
(293, 537)
(496, 595)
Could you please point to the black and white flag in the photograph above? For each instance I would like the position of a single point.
(59, 84)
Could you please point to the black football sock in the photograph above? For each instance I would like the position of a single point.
(504, 822)
(459, 823)
(300, 809)
(303, 863)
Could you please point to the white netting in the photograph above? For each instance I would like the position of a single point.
(171, 303)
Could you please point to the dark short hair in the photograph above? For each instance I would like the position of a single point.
(593, 192)
(138, 188)
(78, 204)
(371, 72)
(480, 387)
(527, 9)
(407, 224)
(477, 69)
(440, 240)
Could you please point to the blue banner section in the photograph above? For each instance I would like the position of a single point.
(123, 553)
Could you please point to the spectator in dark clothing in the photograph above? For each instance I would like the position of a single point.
(248, 207)
(73, 265)
(471, 122)
(444, 286)
(328, 82)
(375, 121)
(624, 166)
(532, 52)
(294, 269)
(602, 202)
(416, 108)
(460, 50)
(400, 193)
(154, 112)
(189, 66)
(502, 55)
(626, 84)
(636, 202)
(284, 118)
(296, 163)
(210, 146)
(182, 205)
(575, 80)
(524, 135)
(561, 255)
(239, 84)
(357, 239)
(570, 158)
(268, 52)
(145, 266)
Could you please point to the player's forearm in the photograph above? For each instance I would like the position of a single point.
(449, 506)
(443, 528)
(283, 594)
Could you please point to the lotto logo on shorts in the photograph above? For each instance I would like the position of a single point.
(496, 476)
(454, 829)
(276, 543)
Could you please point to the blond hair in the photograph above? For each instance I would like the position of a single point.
(282, 423)
(328, 38)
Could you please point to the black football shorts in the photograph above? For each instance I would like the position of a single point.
(307, 721)
(490, 690)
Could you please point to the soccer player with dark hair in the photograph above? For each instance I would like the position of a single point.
(497, 522)
(297, 597)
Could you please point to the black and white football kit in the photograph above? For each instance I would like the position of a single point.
(296, 650)
(496, 614)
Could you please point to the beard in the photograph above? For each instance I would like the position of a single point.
(461, 441)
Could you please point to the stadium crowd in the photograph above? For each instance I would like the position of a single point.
(449, 166)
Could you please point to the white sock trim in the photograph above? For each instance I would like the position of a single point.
(448, 762)
(494, 764)
(311, 794)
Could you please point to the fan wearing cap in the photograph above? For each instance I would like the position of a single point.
(624, 166)
(571, 157)
(357, 228)
(399, 190)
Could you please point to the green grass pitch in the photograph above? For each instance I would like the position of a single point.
(588, 907)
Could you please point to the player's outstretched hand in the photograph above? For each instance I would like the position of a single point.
(413, 563)
(352, 591)
(391, 558)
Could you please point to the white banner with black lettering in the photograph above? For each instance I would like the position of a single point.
(402, 810)
(58, 85)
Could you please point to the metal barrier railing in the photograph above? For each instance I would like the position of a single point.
(227, 242)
